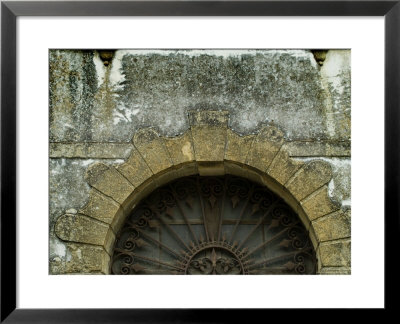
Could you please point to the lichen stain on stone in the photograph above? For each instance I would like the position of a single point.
(148, 87)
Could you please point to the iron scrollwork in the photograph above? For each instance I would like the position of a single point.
(213, 225)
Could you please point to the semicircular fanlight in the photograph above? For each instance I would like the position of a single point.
(213, 225)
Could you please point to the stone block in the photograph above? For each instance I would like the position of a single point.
(82, 258)
(319, 204)
(100, 207)
(90, 150)
(309, 178)
(180, 148)
(208, 117)
(152, 148)
(323, 148)
(283, 167)
(135, 169)
(237, 147)
(109, 181)
(208, 130)
(81, 228)
(333, 226)
(335, 253)
(265, 146)
(335, 271)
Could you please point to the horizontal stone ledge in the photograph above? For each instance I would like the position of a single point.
(123, 150)
(317, 149)
(91, 150)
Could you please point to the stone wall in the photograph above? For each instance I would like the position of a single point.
(98, 102)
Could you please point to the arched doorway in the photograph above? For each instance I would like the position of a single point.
(213, 225)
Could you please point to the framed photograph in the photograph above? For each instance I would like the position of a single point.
(161, 139)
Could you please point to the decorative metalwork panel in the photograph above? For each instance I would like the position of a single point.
(213, 225)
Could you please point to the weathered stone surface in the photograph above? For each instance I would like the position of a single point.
(237, 147)
(208, 117)
(152, 149)
(80, 228)
(283, 167)
(109, 181)
(94, 109)
(265, 146)
(319, 204)
(209, 129)
(336, 82)
(340, 186)
(135, 169)
(67, 187)
(91, 150)
(333, 226)
(100, 207)
(309, 178)
(180, 148)
(319, 148)
(209, 143)
(335, 253)
(155, 88)
(81, 258)
(335, 270)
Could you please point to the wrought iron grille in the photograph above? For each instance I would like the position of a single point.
(213, 225)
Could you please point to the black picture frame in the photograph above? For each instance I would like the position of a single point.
(10, 10)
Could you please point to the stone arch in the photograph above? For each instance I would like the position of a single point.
(208, 147)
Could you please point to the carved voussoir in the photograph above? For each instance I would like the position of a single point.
(83, 258)
(335, 253)
(208, 130)
(333, 226)
(180, 148)
(109, 181)
(319, 204)
(100, 207)
(135, 169)
(237, 147)
(152, 148)
(265, 146)
(309, 178)
(81, 228)
(283, 167)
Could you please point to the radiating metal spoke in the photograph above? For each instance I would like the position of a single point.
(241, 214)
(221, 216)
(123, 252)
(267, 242)
(184, 216)
(171, 229)
(274, 259)
(165, 235)
(202, 210)
(157, 242)
(269, 210)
